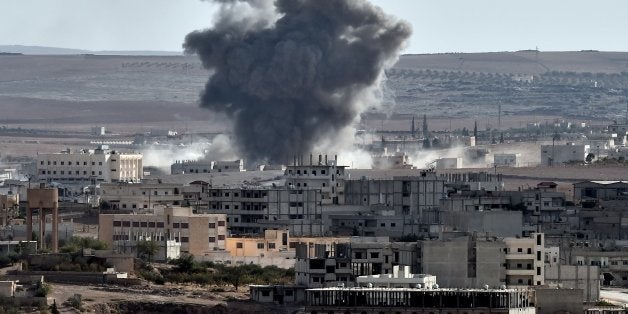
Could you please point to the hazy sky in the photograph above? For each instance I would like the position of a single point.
(439, 25)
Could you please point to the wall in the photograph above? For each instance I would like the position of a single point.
(552, 300)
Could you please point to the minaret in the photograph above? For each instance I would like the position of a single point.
(412, 128)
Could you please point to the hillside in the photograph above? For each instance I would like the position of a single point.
(88, 89)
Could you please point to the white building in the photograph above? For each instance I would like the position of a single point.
(448, 163)
(101, 164)
(559, 154)
(206, 166)
(507, 160)
(400, 278)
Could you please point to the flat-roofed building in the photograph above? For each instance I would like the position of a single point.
(198, 234)
(251, 210)
(98, 165)
(144, 195)
(413, 300)
(324, 175)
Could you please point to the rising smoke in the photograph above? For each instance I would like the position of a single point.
(293, 72)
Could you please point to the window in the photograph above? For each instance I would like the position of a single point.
(221, 223)
(271, 246)
(175, 225)
(136, 224)
(239, 245)
(392, 224)
(126, 224)
(221, 237)
(117, 223)
(160, 225)
(358, 255)
(260, 246)
(185, 239)
(184, 225)
(151, 224)
(212, 239)
(212, 225)
(374, 255)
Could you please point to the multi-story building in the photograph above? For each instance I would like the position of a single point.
(97, 165)
(325, 176)
(198, 234)
(416, 198)
(594, 190)
(144, 195)
(253, 210)
(277, 248)
(553, 155)
(470, 261)
(324, 265)
(525, 258)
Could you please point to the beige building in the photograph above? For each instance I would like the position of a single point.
(198, 234)
(101, 164)
(525, 261)
(129, 195)
(277, 248)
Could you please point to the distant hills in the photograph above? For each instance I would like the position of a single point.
(41, 50)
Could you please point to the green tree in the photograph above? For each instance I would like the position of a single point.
(185, 263)
(147, 248)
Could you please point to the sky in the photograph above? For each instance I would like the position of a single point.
(439, 25)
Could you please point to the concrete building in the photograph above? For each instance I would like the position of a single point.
(98, 165)
(398, 160)
(277, 248)
(401, 277)
(463, 261)
(582, 277)
(253, 210)
(553, 155)
(448, 163)
(356, 220)
(525, 258)
(472, 262)
(330, 265)
(507, 160)
(413, 300)
(9, 206)
(415, 198)
(137, 196)
(324, 175)
(206, 166)
(197, 234)
(552, 300)
(594, 190)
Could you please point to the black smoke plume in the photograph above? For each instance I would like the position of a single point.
(291, 72)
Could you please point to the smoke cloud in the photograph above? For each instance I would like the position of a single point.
(292, 72)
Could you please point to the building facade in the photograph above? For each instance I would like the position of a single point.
(98, 165)
(198, 234)
(325, 176)
(253, 210)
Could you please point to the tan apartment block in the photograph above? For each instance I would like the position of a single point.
(198, 234)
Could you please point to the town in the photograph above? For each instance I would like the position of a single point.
(308, 157)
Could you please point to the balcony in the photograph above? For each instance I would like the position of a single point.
(520, 256)
(520, 272)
